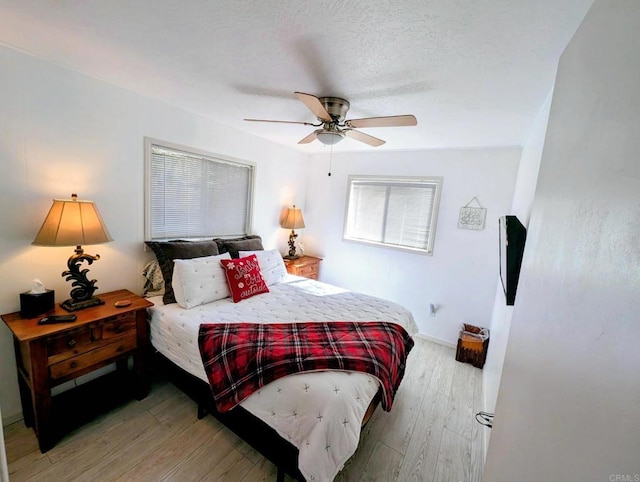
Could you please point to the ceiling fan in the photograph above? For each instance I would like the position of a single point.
(331, 112)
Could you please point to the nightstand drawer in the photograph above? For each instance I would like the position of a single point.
(70, 344)
(307, 266)
(121, 326)
(89, 338)
(308, 271)
(89, 359)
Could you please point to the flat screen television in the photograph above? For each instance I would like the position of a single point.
(512, 236)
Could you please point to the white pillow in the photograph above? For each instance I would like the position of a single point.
(271, 265)
(198, 281)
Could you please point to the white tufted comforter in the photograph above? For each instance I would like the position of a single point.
(319, 412)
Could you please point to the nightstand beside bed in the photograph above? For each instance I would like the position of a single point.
(49, 355)
(307, 266)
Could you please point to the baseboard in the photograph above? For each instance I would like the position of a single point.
(11, 419)
(435, 340)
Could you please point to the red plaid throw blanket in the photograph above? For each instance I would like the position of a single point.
(239, 358)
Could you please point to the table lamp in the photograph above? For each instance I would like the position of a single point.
(293, 220)
(74, 223)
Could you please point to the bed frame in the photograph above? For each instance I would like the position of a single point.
(244, 424)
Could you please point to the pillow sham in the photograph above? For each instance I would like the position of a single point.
(198, 281)
(271, 265)
(153, 280)
(167, 251)
(234, 245)
(244, 277)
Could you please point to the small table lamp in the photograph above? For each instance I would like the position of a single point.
(293, 220)
(73, 223)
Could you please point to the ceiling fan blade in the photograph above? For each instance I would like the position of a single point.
(281, 122)
(315, 106)
(362, 137)
(386, 121)
(310, 138)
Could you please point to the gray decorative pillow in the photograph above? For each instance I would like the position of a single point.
(234, 245)
(167, 251)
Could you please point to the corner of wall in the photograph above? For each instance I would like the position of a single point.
(524, 194)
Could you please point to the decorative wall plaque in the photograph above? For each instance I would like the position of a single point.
(472, 217)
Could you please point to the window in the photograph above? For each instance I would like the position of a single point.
(392, 211)
(191, 194)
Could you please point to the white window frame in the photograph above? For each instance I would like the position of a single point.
(150, 142)
(387, 181)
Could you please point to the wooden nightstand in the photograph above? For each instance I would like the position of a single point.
(48, 355)
(307, 266)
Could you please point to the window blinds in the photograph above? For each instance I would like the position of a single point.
(398, 213)
(196, 196)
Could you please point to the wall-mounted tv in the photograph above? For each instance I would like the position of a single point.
(512, 236)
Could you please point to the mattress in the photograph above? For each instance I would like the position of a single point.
(320, 413)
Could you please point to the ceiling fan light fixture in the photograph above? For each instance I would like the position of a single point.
(331, 113)
(329, 138)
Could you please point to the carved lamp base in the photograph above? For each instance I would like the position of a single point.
(83, 289)
(292, 246)
(71, 305)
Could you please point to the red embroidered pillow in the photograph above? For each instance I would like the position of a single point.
(244, 277)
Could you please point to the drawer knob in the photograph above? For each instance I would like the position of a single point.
(120, 349)
(119, 329)
(73, 364)
(71, 343)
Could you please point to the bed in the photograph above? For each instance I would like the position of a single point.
(310, 420)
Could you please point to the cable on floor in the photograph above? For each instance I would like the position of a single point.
(485, 418)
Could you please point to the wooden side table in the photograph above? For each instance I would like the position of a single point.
(48, 355)
(307, 266)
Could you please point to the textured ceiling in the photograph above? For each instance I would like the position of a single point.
(474, 73)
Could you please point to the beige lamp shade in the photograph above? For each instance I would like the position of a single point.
(293, 219)
(72, 223)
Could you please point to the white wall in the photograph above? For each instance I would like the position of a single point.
(569, 402)
(460, 276)
(62, 132)
(521, 207)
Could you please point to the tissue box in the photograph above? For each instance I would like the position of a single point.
(33, 304)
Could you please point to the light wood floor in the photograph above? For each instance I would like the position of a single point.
(430, 435)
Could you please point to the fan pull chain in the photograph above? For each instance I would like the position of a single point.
(330, 160)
